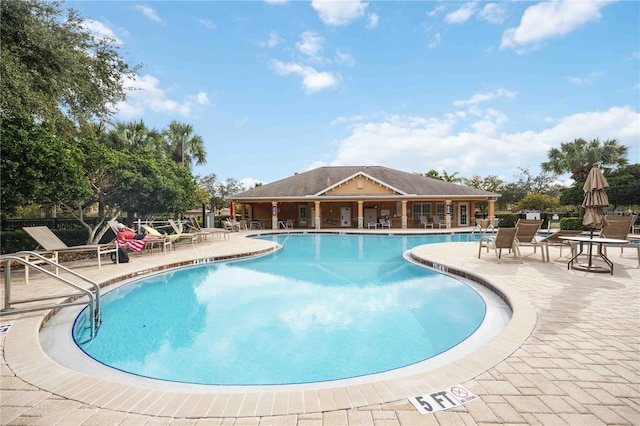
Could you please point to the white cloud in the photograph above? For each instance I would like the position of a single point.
(493, 12)
(338, 13)
(549, 20)
(484, 97)
(461, 15)
(250, 182)
(311, 44)
(586, 80)
(312, 79)
(436, 10)
(148, 12)
(344, 58)
(272, 41)
(372, 20)
(100, 30)
(144, 93)
(454, 144)
(207, 23)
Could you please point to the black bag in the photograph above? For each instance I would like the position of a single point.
(123, 257)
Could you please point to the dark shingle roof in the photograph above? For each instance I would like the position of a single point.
(316, 180)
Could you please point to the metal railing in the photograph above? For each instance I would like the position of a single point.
(24, 257)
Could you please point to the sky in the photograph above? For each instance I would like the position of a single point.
(476, 88)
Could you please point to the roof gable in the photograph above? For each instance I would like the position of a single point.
(360, 184)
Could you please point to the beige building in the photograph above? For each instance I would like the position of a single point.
(361, 197)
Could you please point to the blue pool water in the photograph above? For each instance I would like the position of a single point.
(325, 307)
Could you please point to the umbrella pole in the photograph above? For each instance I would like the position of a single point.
(590, 249)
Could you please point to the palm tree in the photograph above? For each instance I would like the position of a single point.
(134, 136)
(184, 146)
(579, 156)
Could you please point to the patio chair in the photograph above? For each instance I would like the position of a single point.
(505, 238)
(384, 223)
(482, 226)
(439, 222)
(178, 229)
(195, 226)
(617, 228)
(52, 244)
(231, 226)
(425, 223)
(554, 240)
(527, 233)
(173, 238)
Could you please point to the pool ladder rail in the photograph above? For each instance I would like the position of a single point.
(32, 260)
(286, 228)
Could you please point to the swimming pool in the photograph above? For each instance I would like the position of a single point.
(326, 307)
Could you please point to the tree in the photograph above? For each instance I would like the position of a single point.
(490, 183)
(134, 136)
(579, 156)
(537, 201)
(36, 166)
(624, 186)
(184, 146)
(53, 68)
(150, 185)
(219, 192)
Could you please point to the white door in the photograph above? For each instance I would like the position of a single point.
(345, 217)
(463, 214)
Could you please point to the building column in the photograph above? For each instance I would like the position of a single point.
(472, 213)
(317, 218)
(447, 213)
(491, 210)
(360, 214)
(274, 215)
(404, 214)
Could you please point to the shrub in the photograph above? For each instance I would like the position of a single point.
(571, 223)
(507, 220)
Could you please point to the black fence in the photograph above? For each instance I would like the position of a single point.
(51, 222)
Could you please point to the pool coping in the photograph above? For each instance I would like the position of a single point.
(28, 360)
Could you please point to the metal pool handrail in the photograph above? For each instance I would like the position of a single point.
(94, 298)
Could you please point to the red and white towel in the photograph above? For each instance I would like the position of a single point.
(135, 245)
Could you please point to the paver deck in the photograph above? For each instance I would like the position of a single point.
(571, 355)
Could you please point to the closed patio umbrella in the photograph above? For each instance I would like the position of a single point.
(595, 199)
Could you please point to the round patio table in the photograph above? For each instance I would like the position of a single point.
(590, 242)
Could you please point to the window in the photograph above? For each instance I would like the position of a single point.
(421, 209)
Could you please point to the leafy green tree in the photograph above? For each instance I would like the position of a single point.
(184, 146)
(150, 185)
(537, 201)
(624, 186)
(527, 183)
(433, 174)
(573, 195)
(579, 156)
(53, 68)
(219, 192)
(490, 183)
(36, 166)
